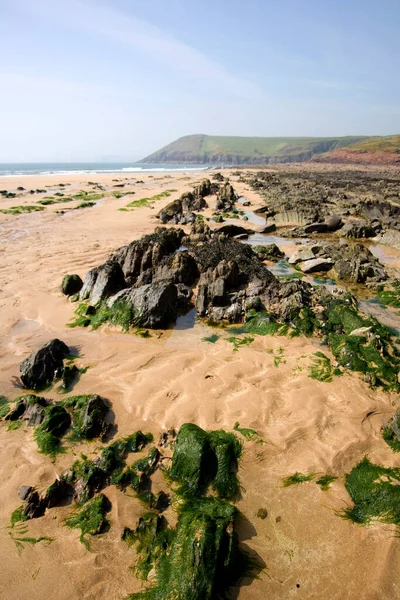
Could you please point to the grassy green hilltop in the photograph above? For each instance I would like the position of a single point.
(233, 150)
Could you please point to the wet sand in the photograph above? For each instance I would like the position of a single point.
(169, 379)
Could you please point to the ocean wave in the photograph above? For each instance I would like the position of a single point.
(164, 169)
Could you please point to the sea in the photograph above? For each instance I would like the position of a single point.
(18, 169)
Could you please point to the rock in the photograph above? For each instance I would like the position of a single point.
(57, 420)
(92, 418)
(148, 252)
(218, 177)
(267, 228)
(361, 331)
(269, 252)
(232, 230)
(35, 410)
(334, 222)
(57, 493)
(241, 236)
(180, 267)
(24, 491)
(355, 263)
(108, 280)
(261, 210)
(71, 284)
(17, 412)
(226, 197)
(34, 505)
(316, 265)
(262, 513)
(315, 228)
(154, 305)
(304, 253)
(247, 203)
(42, 367)
(360, 229)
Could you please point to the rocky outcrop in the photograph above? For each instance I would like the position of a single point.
(360, 229)
(232, 230)
(45, 365)
(351, 262)
(226, 197)
(183, 210)
(147, 253)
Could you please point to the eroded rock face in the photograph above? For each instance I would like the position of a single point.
(148, 252)
(355, 263)
(154, 305)
(183, 210)
(45, 365)
(226, 197)
(103, 282)
(360, 229)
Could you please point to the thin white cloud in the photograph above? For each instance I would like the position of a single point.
(148, 39)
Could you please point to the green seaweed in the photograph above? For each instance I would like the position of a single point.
(321, 369)
(297, 478)
(4, 406)
(90, 519)
(375, 492)
(239, 342)
(18, 516)
(390, 297)
(121, 314)
(211, 339)
(146, 202)
(19, 210)
(324, 481)
(245, 431)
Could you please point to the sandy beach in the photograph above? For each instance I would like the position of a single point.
(174, 377)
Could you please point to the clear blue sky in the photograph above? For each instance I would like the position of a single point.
(117, 79)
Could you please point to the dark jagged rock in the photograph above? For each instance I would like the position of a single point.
(226, 197)
(45, 365)
(232, 230)
(35, 410)
(153, 305)
(182, 210)
(180, 267)
(267, 228)
(71, 284)
(103, 282)
(148, 252)
(360, 229)
(58, 493)
(218, 177)
(24, 491)
(17, 412)
(89, 415)
(57, 420)
(355, 263)
(34, 506)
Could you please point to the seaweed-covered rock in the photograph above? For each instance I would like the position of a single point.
(59, 492)
(391, 432)
(71, 284)
(200, 559)
(56, 421)
(153, 305)
(43, 366)
(89, 416)
(201, 458)
(269, 252)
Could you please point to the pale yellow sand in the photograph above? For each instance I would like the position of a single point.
(163, 382)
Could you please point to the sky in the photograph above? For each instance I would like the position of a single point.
(110, 80)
